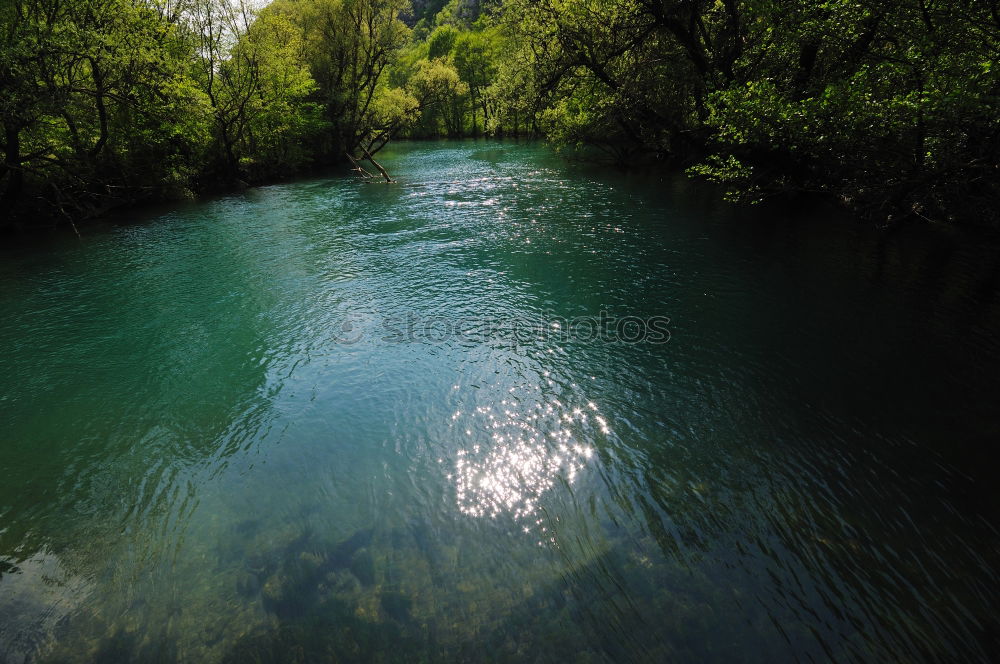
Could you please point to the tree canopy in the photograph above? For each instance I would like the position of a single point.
(892, 107)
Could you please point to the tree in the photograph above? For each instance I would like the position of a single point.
(84, 85)
(475, 55)
(440, 95)
(890, 106)
(348, 45)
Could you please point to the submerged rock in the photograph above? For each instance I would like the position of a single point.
(247, 583)
(396, 605)
(343, 552)
(275, 589)
(340, 583)
(363, 567)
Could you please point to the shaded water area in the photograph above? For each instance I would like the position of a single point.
(332, 420)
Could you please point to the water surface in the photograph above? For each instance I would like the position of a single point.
(296, 425)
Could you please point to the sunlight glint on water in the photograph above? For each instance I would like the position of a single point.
(517, 452)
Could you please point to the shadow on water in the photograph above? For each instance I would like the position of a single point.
(599, 611)
(329, 605)
(132, 647)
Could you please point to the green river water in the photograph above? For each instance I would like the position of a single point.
(335, 420)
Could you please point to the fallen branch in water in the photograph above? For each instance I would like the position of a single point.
(377, 165)
(357, 167)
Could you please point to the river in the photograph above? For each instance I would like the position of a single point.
(510, 408)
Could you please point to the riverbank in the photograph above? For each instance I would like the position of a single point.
(651, 172)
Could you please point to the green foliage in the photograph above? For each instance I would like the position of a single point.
(892, 107)
(452, 69)
(730, 171)
(97, 106)
(281, 117)
(109, 102)
(348, 46)
(441, 43)
(459, 13)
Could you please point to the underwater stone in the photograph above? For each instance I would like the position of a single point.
(344, 552)
(363, 567)
(274, 589)
(396, 605)
(310, 562)
(247, 584)
(342, 582)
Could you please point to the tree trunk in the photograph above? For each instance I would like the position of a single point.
(12, 167)
(377, 165)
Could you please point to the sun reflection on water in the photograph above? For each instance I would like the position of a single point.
(515, 451)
